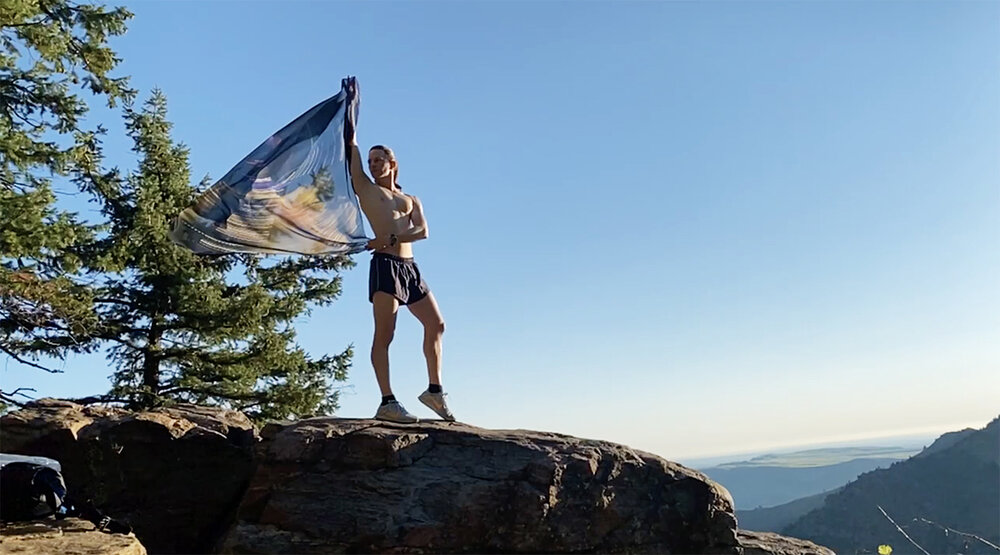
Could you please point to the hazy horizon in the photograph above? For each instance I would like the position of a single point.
(905, 439)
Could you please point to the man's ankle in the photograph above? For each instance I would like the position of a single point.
(435, 388)
(386, 399)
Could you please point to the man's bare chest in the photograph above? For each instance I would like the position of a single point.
(387, 204)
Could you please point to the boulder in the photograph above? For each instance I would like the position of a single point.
(769, 543)
(175, 474)
(328, 485)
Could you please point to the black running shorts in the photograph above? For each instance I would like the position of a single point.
(396, 276)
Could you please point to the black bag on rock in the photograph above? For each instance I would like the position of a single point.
(32, 491)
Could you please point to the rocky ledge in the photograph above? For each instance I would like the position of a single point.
(195, 479)
(70, 536)
(332, 485)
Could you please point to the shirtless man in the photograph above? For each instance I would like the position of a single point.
(394, 279)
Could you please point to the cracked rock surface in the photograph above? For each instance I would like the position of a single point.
(328, 485)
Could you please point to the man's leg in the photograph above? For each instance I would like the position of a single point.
(426, 310)
(384, 306)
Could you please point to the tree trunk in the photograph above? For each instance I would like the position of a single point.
(151, 363)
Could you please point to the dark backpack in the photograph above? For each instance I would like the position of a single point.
(30, 491)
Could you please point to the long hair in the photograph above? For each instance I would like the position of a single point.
(392, 156)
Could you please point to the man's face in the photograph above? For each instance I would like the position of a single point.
(379, 163)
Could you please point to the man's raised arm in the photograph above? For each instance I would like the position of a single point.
(359, 180)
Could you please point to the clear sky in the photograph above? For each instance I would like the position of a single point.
(693, 228)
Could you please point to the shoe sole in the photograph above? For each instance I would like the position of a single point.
(443, 417)
(404, 421)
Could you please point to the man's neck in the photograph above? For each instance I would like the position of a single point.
(385, 182)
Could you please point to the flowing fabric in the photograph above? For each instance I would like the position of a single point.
(292, 194)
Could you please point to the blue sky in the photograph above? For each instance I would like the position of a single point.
(694, 228)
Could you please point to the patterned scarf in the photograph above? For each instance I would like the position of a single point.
(292, 194)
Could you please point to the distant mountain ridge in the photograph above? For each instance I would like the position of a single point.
(826, 456)
(946, 441)
(796, 475)
(954, 483)
(773, 519)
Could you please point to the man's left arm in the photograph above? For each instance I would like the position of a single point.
(418, 224)
(416, 231)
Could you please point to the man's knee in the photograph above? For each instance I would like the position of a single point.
(436, 328)
(383, 339)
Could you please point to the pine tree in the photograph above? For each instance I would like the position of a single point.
(181, 327)
(51, 53)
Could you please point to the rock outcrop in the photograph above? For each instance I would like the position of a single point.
(329, 485)
(175, 474)
(200, 480)
(70, 536)
(769, 543)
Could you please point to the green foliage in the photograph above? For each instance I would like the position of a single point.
(51, 51)
(178, 326)
(181, 328)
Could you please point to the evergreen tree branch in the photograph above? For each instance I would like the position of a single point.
(108, 300)
(219, 359)
(8, 396)
(21, 360)
(259, 397)
(41, 22)
(94, 399)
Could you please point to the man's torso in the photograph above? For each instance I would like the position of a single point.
(388, 212)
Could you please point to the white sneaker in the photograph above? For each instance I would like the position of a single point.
(437, 403)
(394, 412)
